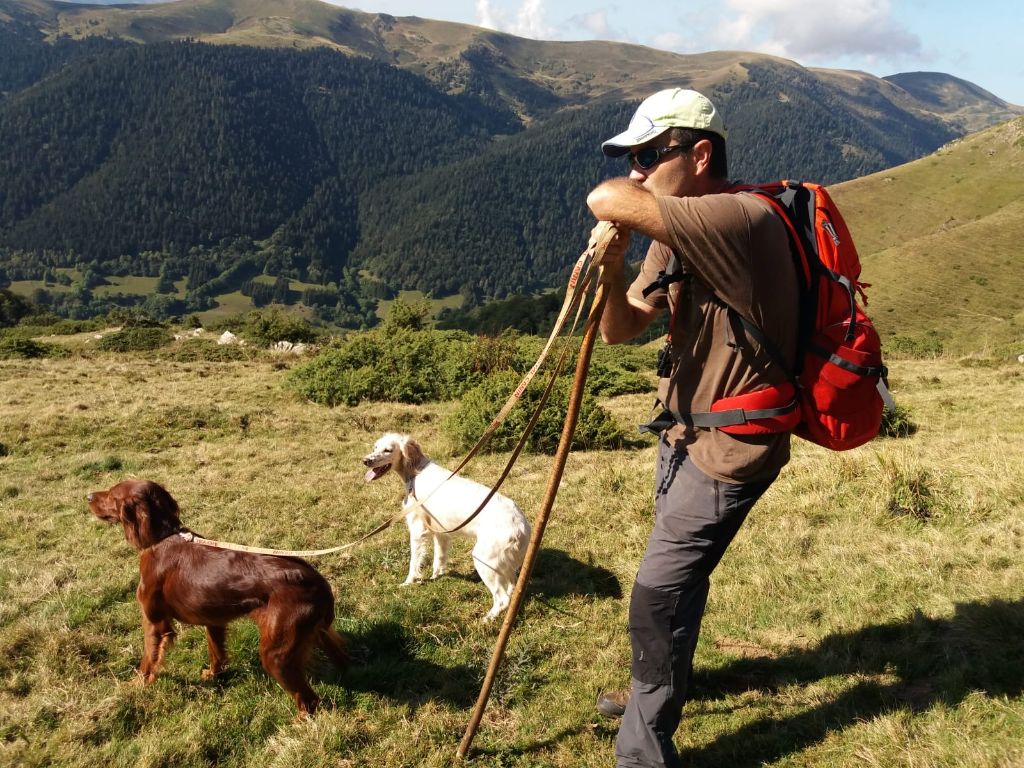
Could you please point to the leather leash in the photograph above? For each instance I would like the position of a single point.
(579, 282)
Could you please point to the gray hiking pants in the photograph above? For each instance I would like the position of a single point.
(696, 517)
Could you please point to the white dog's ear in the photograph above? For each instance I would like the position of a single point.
(412, 453)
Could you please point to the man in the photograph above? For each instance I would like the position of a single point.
(736, 272)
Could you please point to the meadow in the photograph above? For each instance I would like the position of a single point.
(870, 612)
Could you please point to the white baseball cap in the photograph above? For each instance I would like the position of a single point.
(671, 108)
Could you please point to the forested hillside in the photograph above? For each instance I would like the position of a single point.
(170, 146)
(207, 166)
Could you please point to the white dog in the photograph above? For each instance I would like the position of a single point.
(501, 529)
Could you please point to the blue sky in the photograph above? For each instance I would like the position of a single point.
(978, 41)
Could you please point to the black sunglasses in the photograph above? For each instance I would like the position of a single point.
(648, 157)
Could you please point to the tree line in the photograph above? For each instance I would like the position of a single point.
(217, 164)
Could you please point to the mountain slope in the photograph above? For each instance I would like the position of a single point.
(940, 242)
(533, 76)
(957, 100)
(165, 147)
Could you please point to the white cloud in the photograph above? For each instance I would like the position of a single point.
(486, 16)
(529, 19)
(596, 23)
(806, 30)
(669, 41)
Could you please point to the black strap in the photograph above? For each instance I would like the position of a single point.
(714, 419)
(674, 272)
(846, 365)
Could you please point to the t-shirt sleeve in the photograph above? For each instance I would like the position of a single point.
(654, 263)
(712, 235)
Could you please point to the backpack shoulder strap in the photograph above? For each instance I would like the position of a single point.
(674, 272)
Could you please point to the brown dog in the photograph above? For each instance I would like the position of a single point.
(289, 600)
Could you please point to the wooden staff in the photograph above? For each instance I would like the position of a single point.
(561, 454)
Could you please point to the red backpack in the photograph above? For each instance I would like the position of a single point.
(837, 393)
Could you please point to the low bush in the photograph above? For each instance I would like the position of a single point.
(595, 428)
(27, 349)
(403, 366)
(265, 328)
(908, 488)
(135, 339)
(608, 381)
(491, 354)
(208, 350)
(897, 423)
(924, 346)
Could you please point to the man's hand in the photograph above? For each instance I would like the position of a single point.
(615, 242)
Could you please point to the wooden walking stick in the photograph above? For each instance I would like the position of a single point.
(561, 454)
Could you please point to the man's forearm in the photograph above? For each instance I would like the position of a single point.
(629, 205)
(620, 320)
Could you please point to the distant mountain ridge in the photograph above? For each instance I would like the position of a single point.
(366, 153)
(534, 76)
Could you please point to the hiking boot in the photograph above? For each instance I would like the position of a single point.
(613, 703)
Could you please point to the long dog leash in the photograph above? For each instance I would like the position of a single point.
(575, 290)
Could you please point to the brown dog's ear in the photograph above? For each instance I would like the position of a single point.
(163, 509)
(412, 453)
(128, 511)
(152, 514)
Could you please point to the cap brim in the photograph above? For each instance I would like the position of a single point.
(619, 145)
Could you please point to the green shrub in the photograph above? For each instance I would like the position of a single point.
(266, 328)
(897, 423)
(491, 354)
(13, 347)
(135, 339)
(402, 366)
(928, 345)
(411, 315)
(908, 488)
(595, 428)
(608, 381)
(208, 350)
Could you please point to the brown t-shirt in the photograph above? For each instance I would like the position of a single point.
(736, 248)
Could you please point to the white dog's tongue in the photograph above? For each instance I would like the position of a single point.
(376, 472)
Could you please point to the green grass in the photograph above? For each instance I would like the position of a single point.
(869, 613)
(26, 287)
(414, 297)
(939, 242)
(133, 284)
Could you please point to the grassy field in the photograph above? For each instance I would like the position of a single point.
(870, 612)
(939, 241)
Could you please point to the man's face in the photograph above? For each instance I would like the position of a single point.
(672, 173)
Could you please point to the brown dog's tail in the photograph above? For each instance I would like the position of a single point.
(333, 646)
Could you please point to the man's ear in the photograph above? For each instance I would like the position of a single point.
(701, 153)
